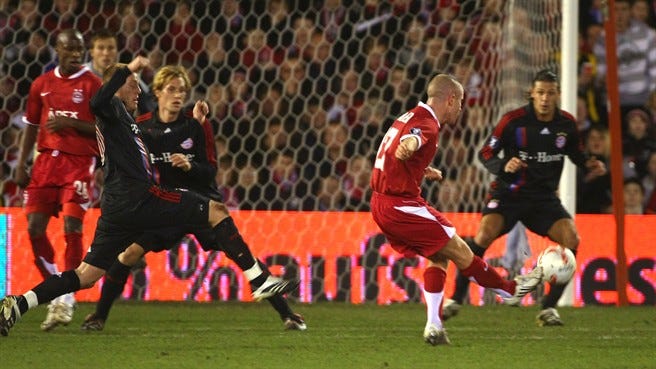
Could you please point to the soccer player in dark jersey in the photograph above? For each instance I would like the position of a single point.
(133, 203)
(535, 139)
(59, 120)
(181, 148)
(411, 225)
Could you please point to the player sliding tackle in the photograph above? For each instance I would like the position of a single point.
(133, 203)
(412, 226)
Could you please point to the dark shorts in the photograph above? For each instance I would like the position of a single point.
(168, 238)
(537, 214)
(128, 220)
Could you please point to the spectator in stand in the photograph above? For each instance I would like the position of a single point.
(214, 60)
(634, 196)
(437, 56)
(636, 58)
(303, 29)
(9, 139)
(322, 65)
(641, 11)
(649, 179)
(182, 41)
(589, 89)
(398, 92)
(295, 86)
(413, 51)
(376, 69)
(129, 26)
(281, 183)
(332, 155)
(369, 126)
(10, 101)
(583, 122)
(333, 20)
(328, 196)
(277, 21)
(447, 195)
(594, 190)
(230, 23)
(22, 23)
(67, 14)
(248, 191)
(350, 98)
(356, 183)
(216, 97)
(27, 62)
(650, 107)
(638, 143)
(465, 71)
(58, 118)
(257, 57)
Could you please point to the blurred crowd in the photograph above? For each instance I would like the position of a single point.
(301, 92)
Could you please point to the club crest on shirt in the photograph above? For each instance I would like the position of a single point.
(415, 131)
(78, 97)
(561, 140)
(187, 144)
(493, 141)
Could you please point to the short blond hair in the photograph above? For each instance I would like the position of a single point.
(168, 72)
(442, 86)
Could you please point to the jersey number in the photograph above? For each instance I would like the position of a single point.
(384, 145)
(81, 189)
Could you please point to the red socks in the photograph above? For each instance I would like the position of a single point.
(73, 254)
(487, 276)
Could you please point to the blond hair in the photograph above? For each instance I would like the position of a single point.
(442, 86)
(168, 72)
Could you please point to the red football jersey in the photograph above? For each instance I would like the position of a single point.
(51, 95)
(391, 176)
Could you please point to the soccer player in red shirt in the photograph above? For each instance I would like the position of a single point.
(412, 226)
(58, 118)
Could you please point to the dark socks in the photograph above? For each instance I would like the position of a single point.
(56, 285)
(462, 282)
(112, 288)
(555, 293)
(277, 301)
(231, 242)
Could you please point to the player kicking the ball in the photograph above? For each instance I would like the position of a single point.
(413, 227)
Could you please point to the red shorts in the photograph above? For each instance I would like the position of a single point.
(59, 178)
(411, 226)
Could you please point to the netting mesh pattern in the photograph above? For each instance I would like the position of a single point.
(301, 92)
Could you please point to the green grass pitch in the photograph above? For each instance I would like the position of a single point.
(250, 335)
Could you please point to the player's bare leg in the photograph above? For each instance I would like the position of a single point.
(489, 229)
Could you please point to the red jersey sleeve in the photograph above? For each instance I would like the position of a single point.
(403, 178)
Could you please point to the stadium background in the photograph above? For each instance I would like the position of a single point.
(301, 92)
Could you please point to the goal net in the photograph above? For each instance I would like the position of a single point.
(301, 92)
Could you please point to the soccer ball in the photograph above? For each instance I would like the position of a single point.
(558, 264)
